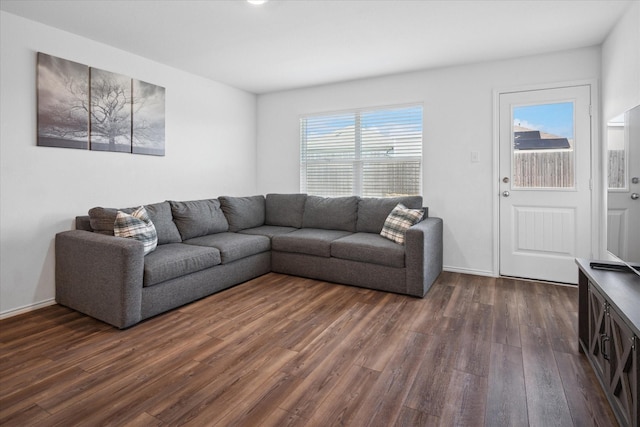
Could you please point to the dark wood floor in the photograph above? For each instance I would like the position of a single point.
(286, 351)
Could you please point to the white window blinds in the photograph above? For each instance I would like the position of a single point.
(370, 153)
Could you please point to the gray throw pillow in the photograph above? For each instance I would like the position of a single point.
(103, 219)
(198, 218)
(285, 210)
(331, 213)
(372, 212)
(243, 212)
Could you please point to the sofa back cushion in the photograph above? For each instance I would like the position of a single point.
(243, 212)
(102, 220)
(198, 218)
(372, 212)
(285, 210)
(331, 213)
(162, 218)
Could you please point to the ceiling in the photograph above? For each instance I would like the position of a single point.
(286, 44)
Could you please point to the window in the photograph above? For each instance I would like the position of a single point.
(617, 148)
(543, 146)
(370, 153)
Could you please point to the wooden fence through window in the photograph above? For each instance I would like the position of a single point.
(555, 169)
(550, 169)
(616, 168)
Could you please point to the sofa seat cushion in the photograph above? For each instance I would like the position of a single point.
(369, 247)
(268, 230)
(175, 260)
(310, 241)
(233, 246)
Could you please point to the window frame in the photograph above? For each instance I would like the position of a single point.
(359, 160)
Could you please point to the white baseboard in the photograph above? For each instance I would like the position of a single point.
(27, 308)
(464, 270)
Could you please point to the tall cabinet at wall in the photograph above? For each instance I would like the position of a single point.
(609, 334)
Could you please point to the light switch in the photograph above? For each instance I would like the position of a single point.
(475, 157)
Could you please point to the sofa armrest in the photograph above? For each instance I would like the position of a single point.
(423, 255)
(100, 275)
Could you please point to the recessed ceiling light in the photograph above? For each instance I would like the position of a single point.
(257, 2)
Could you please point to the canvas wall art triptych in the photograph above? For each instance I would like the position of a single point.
(88, 108)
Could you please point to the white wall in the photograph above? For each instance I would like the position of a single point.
(210, 151)
(621, 65)
(458, 117)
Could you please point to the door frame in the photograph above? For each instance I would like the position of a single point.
(596, 180)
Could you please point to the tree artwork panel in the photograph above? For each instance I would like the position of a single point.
(148, 119)
(63, 103)
(89, 108)
(110, 111)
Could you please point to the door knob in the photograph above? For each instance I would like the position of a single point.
(635, 196)
(507, 194)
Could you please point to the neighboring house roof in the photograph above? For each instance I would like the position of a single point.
(529, 139)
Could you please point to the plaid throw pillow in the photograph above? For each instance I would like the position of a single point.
(137, 226)
(399, 221)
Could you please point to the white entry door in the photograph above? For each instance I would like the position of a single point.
(545, 172)
(623, 207)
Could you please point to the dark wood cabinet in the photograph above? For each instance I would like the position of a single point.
(608, 328)
(623, 368)
(598, 328)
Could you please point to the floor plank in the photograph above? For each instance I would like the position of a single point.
(339, 407)
(465, 400)
(506, 394)
(385, 399)
(546, 399)
(429, 388)
(288, 351)
(506, 329)
(585, 401)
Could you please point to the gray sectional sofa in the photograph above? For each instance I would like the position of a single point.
(205, 246)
